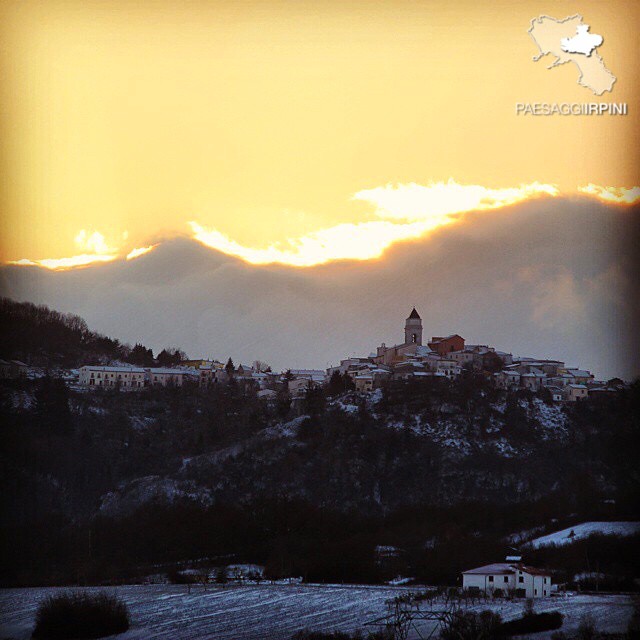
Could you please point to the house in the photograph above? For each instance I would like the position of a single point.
(449, 368)
(512, 577)
(556, 393)
(444, 346)
(581, 376)
(507, 379)
(161, 377)
(316, 375)
(197, 364)
(462, 357)
(349, 364)
(532, 380)
(407, 369)
(123, 377)
(575, 392)
(212, 375)
(363, 381)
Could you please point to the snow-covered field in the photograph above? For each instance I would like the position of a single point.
(168, 612)
(585, 530)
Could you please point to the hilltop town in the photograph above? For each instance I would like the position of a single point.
(438, 357)
(424, 461)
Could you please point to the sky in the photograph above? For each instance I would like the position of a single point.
(267, 123)
(318, 142)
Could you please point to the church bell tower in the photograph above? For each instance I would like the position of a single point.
(413, 328)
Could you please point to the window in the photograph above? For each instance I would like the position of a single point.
(545, 580)
(521, 579)
(490, 578)
(506, 578)
(544, 592)
(535, 592)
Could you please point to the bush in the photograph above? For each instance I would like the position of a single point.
(532, 623)
(472, 626)
(80, 615)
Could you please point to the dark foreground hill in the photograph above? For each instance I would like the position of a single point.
(97, 485)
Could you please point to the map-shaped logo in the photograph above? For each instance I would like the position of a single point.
(570, 40)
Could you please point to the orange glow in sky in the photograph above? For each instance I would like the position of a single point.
(401, 212)
(291, 132)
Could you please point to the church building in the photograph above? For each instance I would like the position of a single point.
(412, 343)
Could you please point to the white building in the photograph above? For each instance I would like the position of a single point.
(110, 377)
(510, 577)
(160, 377)
(126, 377)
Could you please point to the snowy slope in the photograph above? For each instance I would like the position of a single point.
(585, 530)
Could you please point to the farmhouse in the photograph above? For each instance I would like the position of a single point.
(512, 577)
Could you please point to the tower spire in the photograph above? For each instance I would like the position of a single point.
(413, 328)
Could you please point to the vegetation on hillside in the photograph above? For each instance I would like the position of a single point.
(47, 338)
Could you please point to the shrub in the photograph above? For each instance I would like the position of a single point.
(466, 625)
(80, 615)
(532, 623)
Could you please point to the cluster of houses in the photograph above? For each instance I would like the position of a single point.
(448, 356)
(201, 372)
(441, 357)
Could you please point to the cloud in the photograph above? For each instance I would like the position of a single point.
(617, 195)
(136, 253)
(363, 241)
(401, 212)
(437, 201)
(407, 211)
(92, 245)
(81, 260)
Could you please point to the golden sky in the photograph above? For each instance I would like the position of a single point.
(252, 125)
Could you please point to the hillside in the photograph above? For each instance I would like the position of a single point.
(443, 471)
(46, 338)
(584, 530)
